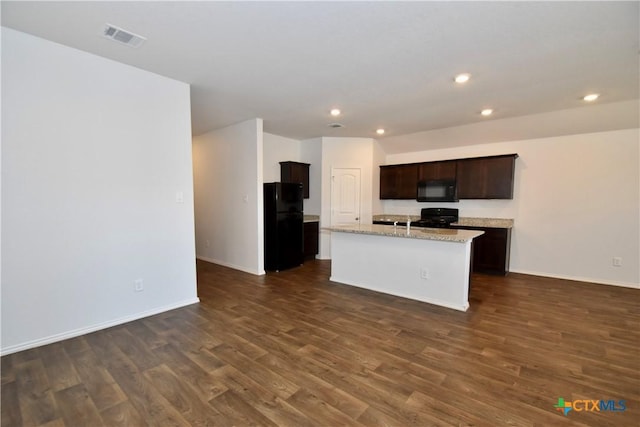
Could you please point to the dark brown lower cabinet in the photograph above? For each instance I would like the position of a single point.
(491, 251)
(311, 232)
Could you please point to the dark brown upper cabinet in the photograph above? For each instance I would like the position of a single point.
(437, 170)
(399, 181)
(486, 177)
(477, 178)
(296, 172)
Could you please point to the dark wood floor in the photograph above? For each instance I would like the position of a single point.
(294, 349)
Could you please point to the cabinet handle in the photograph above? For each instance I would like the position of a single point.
(357, 219)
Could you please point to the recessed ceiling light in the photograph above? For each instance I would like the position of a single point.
(380, 131)
(462, 78)
(334, 112)
(486, 112)
(591, 97)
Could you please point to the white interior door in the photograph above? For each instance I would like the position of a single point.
(345, 196)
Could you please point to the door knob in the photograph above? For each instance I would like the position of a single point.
(357, 219)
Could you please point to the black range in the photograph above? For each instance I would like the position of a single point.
(430, 217)
(436, 218)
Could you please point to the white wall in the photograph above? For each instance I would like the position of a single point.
(278, 149)
(311, 152)
(379, 158)
(94, 153)
(227, 165)
(345, 153)
(589, 118)
(576, 204)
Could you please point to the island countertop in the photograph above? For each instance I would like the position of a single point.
(462, 221)
(443, 234)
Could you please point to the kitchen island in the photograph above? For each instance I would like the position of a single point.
(426, 264)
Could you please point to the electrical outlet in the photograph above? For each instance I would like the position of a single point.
(207, 243)
(617, 261)
(424, 273)
(138, 285)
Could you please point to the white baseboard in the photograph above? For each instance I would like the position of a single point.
(93, 328)
(230, 265)
(579, 279)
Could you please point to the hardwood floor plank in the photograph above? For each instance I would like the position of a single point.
(58, 422)
(324, 390)
(77, 408)
(293, 349)
(7, 373)
(123, 414)
(375, 417)
(259, 373)
(363, 387)
(490, 395)
(75, 345)
(60, 371)
(103, 389)
(10, 415)
(197, 376)
(246, 347)
(262, 399)
(367, 360)
(182, 397)
(37, 404)
(318, 410)
(191, 335)
(148, 337)
(133, 348)
(146, 400)
(238, 411)
(442, 411)
(198, 353)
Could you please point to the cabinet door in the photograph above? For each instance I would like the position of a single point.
(437, 170)
(486, 177)
(399, 181)
(296, 172)
(491, 251)
(490, 254)
(311, 231)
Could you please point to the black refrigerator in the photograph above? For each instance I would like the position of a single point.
(283, 226)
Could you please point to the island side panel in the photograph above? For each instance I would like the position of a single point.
(394, 265)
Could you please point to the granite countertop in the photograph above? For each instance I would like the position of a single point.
(311, 218)
(462, 221)
(485, 222)
(443, 234)
(402, 218)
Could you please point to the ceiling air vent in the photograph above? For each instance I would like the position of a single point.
(122, 36)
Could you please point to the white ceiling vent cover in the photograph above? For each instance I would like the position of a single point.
(122, 36)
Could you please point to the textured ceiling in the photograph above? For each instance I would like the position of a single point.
(385, 64)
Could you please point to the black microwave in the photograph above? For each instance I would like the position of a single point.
(437, 190)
